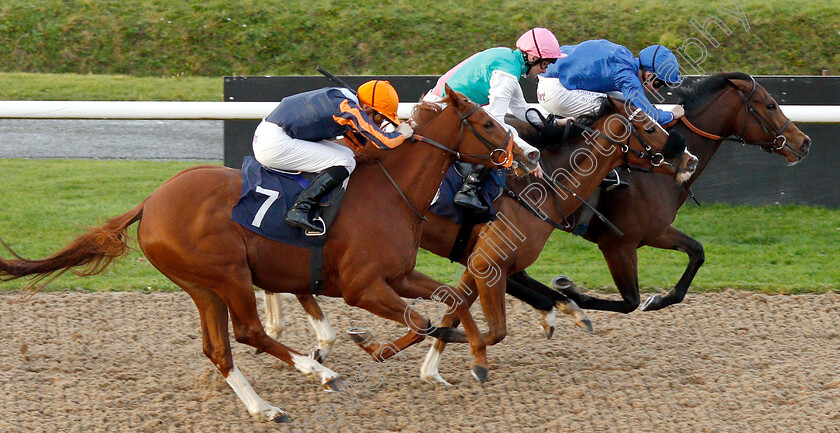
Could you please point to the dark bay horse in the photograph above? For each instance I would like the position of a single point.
(185, 230)
(515, 240)
(723, 106)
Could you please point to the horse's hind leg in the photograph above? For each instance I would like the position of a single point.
(622, 261)
(214, 330)
(673, 239)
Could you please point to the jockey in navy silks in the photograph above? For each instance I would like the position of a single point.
(296, 137)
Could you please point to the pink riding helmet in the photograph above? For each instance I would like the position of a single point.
(541, 43)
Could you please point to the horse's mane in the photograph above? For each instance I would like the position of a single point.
(424, 111)
(550, 137)
(696, 95)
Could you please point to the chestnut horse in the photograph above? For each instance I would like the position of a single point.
(186, 232)
(515, 240)
(730, 106)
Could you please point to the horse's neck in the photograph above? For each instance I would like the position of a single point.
(581, 177)
(714, 120)
(418, 170)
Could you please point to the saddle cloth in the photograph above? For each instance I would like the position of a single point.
(266, 197)
(444, 205)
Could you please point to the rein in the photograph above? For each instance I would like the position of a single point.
(463, 117)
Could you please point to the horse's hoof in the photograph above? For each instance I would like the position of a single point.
(282, 418)
(334, 385)
(258, 351)
(562, 282)
(360, 336)
(651, 303)
(316, 355)
(586, 325)
(480, 373)
(549, 332)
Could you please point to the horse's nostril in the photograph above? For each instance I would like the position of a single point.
(806, 144)
(534, 156)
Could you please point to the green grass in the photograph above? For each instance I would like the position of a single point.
(213, 38)
(22, 86)
(46, 203)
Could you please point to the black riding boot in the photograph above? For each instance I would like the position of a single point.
(612, 181)
(470, 194)
(322, 184)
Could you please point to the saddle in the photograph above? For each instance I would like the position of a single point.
(266, 197)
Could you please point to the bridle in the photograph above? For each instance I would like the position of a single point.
(656, 158)
(506, 149)
(778, 143)
(768, 146)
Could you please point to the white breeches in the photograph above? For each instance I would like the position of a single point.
(273, 148)
(558, 100)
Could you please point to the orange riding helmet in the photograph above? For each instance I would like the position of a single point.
(382, 96)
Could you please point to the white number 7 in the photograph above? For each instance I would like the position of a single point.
(272, 196)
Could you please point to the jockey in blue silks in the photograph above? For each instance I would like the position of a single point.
(574, 85)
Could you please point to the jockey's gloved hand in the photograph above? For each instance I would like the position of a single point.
(405, 129)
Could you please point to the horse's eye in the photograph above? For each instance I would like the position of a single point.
(771, 106)
(649, 130)
(488, 125)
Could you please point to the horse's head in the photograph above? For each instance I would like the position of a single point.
(763, 122)
(474, 135)
(647, 144)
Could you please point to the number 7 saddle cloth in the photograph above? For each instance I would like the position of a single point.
(266, 197)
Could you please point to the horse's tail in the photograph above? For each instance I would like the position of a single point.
(90, 253)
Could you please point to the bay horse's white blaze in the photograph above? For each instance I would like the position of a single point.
(257, 407)
(310, 367)
(325, 335)
(429, 370)
(274, 321)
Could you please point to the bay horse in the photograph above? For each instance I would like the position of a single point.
(186, 231)
(727, 106)
(515, 240)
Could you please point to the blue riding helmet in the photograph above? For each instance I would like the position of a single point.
(662, 62)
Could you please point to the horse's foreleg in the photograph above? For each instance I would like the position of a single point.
(248, 329)
(323, 331)
(430, 369)
(673, 239)
(214, 330)
(621, 259)
(379, 298)
(274, 321)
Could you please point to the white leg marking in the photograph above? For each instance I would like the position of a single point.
(548, 321)
(310, 367)
(274, 321)
(324, 333)
(429, 369)
(256, 406)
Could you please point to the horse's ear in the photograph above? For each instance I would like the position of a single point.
(454, 98)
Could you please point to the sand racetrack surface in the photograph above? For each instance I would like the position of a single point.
(741, 362)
